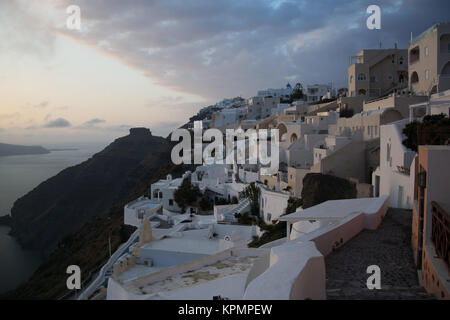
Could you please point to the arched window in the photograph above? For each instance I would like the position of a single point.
(351, 79)
(293, 137)
(400, 60)
(446, 70)
(361, 77)
(414, 77)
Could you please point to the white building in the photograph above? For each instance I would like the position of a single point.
(316, 92)
(227, 117)
(141, 208)
(395, 175)
(439, 103)
(280, 93)
(273, 204)
(299, 138)
(163, 192)
(261, 107)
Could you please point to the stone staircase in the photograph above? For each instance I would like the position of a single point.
(388, 247)
(242, 205)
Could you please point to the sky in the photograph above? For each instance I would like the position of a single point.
(156, 63)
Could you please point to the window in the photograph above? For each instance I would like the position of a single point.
(388, 152)
(390, 78)
(427, 74)
(269, 216)
(262, 202)
(376, 130)
(362, 77)
(373, 79)
(351, 79)
(400, 60)
(170, 202)
(426, 51)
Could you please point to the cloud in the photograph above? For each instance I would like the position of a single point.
(41, 105)
(14, 115)
(92, 123)
(225, 48)
(57, 123)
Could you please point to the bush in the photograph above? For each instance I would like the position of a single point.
(430, 122)
(206, 204)
(252, 192)
(186, 194)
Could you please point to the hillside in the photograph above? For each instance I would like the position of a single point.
(63, 203)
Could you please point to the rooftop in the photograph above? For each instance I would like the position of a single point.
(335, 209)
(226, 277)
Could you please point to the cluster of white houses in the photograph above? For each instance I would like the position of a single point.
(187, 255)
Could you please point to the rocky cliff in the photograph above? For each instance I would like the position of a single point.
(65, 202)
(318, 188)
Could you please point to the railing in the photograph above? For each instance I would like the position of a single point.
(403, 170)
(109, 264)
(440, 232)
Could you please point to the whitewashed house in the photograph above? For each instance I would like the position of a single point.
(139, 209)
(273, 203)
(395, 175)
(163, 192)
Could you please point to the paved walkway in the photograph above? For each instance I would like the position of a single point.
(389, 247)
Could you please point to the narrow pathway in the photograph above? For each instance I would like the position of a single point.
(389, 247)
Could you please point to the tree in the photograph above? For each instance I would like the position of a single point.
(432, 125)
(293, 204)
(297, 92)
(205, 203)
(252, 193)
(186, 194)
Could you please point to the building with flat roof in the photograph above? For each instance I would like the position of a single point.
(377, 72)
(429, 60)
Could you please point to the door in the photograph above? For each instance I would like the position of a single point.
(400, 196)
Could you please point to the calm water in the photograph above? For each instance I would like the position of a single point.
(18, 176)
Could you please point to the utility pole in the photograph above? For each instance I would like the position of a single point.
(109, 243)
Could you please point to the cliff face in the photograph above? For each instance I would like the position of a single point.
(318, 188)
(65, 202)
(11, 150)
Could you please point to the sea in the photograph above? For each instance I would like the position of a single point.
(19, 175)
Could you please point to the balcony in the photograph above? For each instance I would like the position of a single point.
(440, 232)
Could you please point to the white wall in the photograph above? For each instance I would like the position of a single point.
(393, 154)
(272, 204)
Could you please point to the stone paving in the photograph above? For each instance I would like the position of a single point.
(389, 247)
